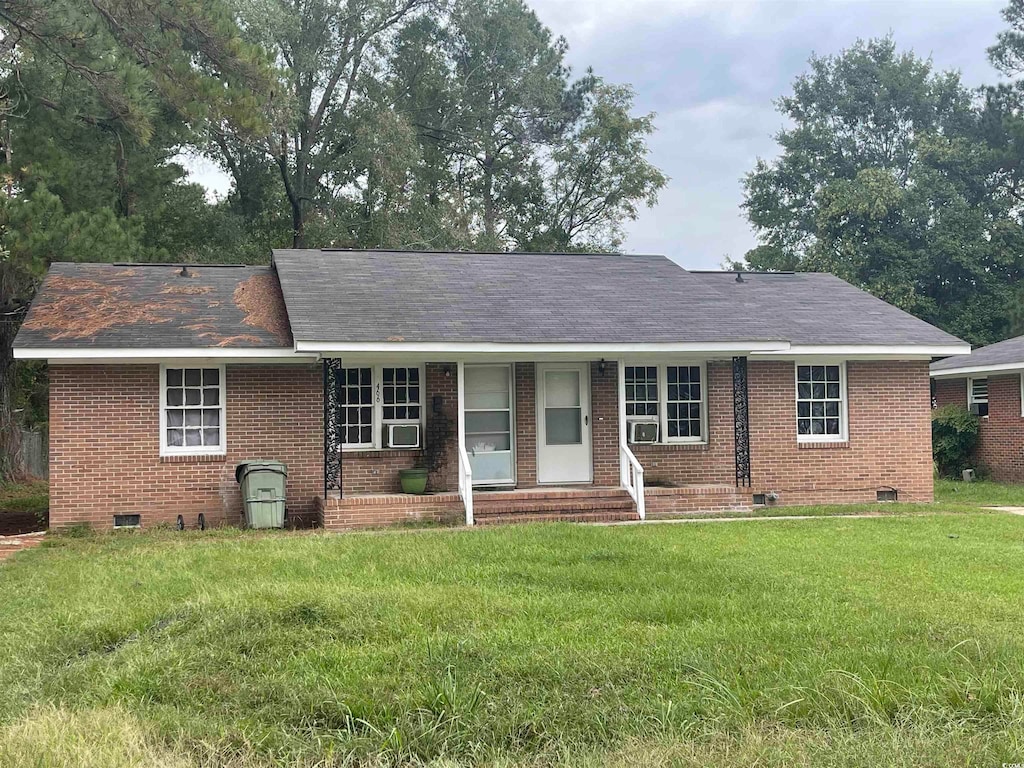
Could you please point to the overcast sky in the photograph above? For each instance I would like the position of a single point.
(711, 69)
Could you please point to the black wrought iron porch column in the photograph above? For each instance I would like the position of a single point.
(333, 373)
(741, 421)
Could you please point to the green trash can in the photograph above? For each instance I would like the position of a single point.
(263, 485)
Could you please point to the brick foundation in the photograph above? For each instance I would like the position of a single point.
(1000, 450)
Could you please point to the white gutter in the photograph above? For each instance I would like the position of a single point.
(877, 351)
(95, 354)
(948, 373)
(486, 347)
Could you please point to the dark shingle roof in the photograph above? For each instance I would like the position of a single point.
(142, 305)
(1009, 352)
(382, 296)
(374, 296)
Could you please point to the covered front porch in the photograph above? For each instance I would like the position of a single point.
(551, 438)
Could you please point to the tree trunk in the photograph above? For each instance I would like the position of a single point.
(298, 225)
(489, 213)
(10, 430)
(124, 197)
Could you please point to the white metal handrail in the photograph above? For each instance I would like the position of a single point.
(633, 479)
(466, 483)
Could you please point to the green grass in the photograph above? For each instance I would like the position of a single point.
(23, 506)
(979, 493)
(886, 641)
(31, 496)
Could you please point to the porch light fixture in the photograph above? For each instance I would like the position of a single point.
(602, 366)
(447, 371)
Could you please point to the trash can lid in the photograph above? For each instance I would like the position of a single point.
(252, 465)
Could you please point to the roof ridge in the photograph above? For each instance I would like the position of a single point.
(474, 253)
(750, 272)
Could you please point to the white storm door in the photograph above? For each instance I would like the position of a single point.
(490, 420)
(563, 423)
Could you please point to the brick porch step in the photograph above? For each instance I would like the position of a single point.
(592, 516)
(591, 504)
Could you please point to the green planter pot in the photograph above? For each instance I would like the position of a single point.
(413, 480)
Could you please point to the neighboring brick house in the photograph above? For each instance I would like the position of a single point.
(989, 382)
(532, 386)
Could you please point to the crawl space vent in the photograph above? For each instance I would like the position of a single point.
(127, 521)
(760, 499)
(886, 494)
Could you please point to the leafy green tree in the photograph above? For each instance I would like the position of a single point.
(598, 176)
(328, 55)
(96, 97)
(887, 179)
(515, 152)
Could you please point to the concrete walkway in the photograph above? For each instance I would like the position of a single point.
(1009, 510)
(11, 544)
(746, 518)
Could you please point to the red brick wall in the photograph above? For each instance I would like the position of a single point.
(526, 425)
(443, 382)
(604, 420)
(951, 392)
(889, 436)
(377, 471)
(1000, 451)
(377, 511)
(714, 462)
(105, 444)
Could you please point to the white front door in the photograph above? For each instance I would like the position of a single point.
(563, 423)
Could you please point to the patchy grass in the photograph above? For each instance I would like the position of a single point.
(23, 506)
(887, 641)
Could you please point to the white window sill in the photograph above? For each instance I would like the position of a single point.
(823, 444)
(170, 458)
(671, 444)
(367, 449)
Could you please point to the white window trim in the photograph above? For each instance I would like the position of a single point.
(662, 417)
(377, 421)
(193, 450)
(970, 394)
(844, 410)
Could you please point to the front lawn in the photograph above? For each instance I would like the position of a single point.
(884, 641)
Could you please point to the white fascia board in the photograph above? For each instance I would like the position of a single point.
(971, 370)
(328, 348)
(151, 354)
(870, 351)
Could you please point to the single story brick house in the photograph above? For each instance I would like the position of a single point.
(988, 381)
(568, 386)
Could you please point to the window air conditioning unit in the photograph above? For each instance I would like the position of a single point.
(403, 435)
(976, 408)
(643, 431)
